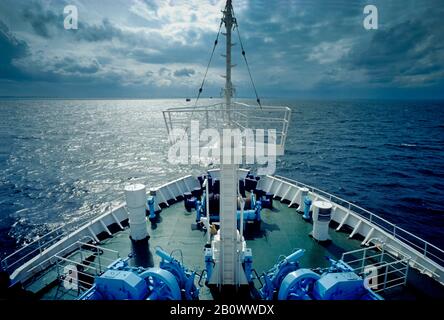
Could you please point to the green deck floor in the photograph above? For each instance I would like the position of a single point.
(282, 232)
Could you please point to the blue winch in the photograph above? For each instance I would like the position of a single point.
(286, 281)
(249, 215)
(273, 278)
(171, 281)
(252, 213)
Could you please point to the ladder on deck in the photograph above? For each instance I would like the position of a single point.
(228, 224)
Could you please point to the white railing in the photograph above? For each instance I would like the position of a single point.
(241, 116)
(38, 246)
(378, 263)
(30, 250)
(65, 266)
(425, 248)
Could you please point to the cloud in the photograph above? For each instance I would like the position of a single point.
(405, 54)
(153, 45)
(71, 66)
(11, 49)
(185, 72)
(105, 31)
(41, 20)
(329, 52)
(183, 22)
(164, 72)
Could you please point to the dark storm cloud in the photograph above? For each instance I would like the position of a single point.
(164, 72)
(46, 23)
(105, 31)
(409, 48)
(13, 51)
(185, 72)
(72, 66)
(291, 45)
(42, 21)
(10, 48)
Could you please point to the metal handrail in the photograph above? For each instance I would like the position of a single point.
(37, 241)
(41, 245)
(59, 252)
(423, 248)
(399, 265)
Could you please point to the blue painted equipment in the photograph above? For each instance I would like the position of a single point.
(203, 206)
(273, 278)
(151, 206)
(338, 282)
(209, 263)
(121, 285)
(198, 211)
(248, 264)
(307, 203)
(267, 201)
(265, 198)
(297, 285)
(171, 281)
(341, 286)
(253, 201)
(184, 277)
(249, 215)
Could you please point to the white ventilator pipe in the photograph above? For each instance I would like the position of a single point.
(321, 220)
(136, 203)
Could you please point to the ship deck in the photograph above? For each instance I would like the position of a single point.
(282, 231)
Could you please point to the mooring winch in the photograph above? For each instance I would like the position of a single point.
(170, 281)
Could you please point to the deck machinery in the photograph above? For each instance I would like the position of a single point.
(170, 281)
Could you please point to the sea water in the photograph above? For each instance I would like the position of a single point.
(67, 161)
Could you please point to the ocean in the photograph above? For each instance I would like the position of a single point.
(67, 161)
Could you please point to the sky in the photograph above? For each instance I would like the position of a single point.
(312, 49)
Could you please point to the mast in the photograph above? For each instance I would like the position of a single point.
(229, 21)
(228, 266)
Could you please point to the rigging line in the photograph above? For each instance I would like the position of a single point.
(205, 75)
(258, 100)
(209, 63)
